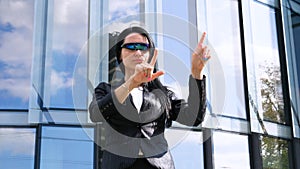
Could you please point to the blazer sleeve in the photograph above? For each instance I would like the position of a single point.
(104, 104)
(192, 111)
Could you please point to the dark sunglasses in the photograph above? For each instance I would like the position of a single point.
(136, 46)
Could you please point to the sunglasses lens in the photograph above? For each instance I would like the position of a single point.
(136, 46)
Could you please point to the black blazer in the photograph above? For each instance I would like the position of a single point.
(128, 133)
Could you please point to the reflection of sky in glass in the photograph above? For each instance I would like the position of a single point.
(122, 8)
(230, 151)
(17, 148)
(123, 13)
(66, 147)
(266, 56)
(188, 154)
(67, 36)
(266, 48)
(15, 53)
(176, 49)
(224, 36)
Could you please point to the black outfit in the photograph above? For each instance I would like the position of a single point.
(128, 133)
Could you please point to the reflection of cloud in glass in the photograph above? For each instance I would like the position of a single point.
(68, 31)
(17, 141)
(60, 80)
(70, 22)
(122, 8)
(16, 87)
(16, 47)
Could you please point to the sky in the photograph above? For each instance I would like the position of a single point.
(16, 60)
(15, 32)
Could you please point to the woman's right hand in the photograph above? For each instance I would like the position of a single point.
(144, 72)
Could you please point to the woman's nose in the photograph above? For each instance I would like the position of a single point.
(138, 53)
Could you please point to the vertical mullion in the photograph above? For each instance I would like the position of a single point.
(36, 102)
(256, 161)
(38, 145)
(294, 158)
(97, 148)
(208, 148)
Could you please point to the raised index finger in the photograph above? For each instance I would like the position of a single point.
(202, 38)
(153, 60)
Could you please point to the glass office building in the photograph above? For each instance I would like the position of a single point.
(54, 52)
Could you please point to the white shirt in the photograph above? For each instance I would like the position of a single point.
(137, 97)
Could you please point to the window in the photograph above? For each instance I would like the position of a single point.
(220, 19)
(16, 34)
(59, 71)
(17, 148)
(263, 65)
(230, 150)
(186, 148)
(66, 147)
(66, 36)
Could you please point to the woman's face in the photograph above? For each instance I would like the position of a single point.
(133, 52)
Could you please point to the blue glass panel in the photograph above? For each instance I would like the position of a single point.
(186, 148)
(17, 148)
(230, 151)
(120, 9)
(15, 53)
(66, 36)
(225, 68)
(175, 50)
(264, 75)
(67, 147)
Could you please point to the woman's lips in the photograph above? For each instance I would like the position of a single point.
(138, 60)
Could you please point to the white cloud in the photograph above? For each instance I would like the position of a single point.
(70, 24)
(17, 141)
(60, 80)
(16, 87)
(17, 12)
(16, 47)
(122, 7)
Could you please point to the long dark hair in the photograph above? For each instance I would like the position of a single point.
(154, 84)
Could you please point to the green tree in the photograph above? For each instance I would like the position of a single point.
(271, 93)
(274, 151)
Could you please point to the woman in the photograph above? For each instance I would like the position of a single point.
(137, 109)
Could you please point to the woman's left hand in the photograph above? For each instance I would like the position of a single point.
(199, 58)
